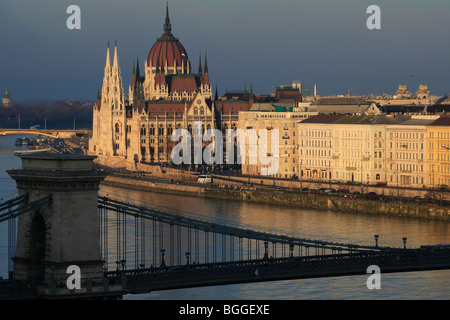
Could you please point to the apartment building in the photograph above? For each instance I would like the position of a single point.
(287, 151)
(438, 151)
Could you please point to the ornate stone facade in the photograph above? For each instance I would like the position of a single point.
(167, 97)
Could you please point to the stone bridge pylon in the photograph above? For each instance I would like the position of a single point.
(63, 232)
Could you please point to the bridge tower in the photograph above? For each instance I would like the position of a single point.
(66, 231)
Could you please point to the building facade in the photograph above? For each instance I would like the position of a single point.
(286, 154)
(168, 96)
(6, 100)
(346, 148)
(406, 151)
(438, 144)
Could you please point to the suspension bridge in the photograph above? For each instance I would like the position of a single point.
(59, 220)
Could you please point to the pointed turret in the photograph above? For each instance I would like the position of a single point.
(108, 59)
(138, 73)
(200, 69)
(206, 77)
(167, 25)
(206, 63)
(133, 76)
(116, 57)
(107, 74)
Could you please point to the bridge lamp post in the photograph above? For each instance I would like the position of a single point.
(188, 254)
(266, 246)
(376, 240)
(163, 264)
(404, 242)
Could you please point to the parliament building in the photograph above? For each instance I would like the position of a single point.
(166, 96)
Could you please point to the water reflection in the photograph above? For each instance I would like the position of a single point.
(335, 226)
(343, 227)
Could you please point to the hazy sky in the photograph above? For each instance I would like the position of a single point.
(263, 42)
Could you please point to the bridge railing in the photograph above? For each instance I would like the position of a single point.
(278, 269)
(170, 239)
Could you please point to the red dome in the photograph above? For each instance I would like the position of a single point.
(167, 48)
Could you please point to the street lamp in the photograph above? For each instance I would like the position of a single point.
(266, 253)
(404, 242)
(188, 254)
(376, 240)
(163, 264)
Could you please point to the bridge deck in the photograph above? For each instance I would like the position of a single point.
(147, 280)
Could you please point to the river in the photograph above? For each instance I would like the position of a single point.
(326, 225)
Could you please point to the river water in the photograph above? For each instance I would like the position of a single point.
(325, 225)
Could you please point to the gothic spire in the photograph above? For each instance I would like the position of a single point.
(206, 63)
(116, 56)
(137, 67)
(138, 73)
(108, 59)
(200, 72)
(167, 25)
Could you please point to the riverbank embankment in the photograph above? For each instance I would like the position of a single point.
(285, 198)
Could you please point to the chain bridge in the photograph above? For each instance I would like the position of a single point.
(59, 220)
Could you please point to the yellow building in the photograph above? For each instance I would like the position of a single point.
(287, 151)
(316, 148)
(348, 148)
(359, 149)
(406, 150)
(438, 157)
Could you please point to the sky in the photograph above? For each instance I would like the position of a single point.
(265, 43)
